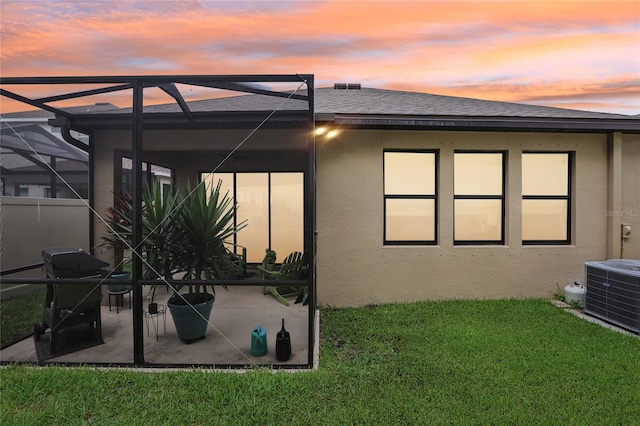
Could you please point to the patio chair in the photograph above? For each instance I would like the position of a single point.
(294, 267)
(67, 305)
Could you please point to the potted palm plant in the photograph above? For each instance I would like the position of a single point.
(184, 232)
(204, 225)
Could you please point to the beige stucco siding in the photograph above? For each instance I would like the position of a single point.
(630, 212)
(103, 146)
(355, 268)
(353, 265)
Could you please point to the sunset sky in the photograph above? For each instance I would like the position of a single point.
(565, 53)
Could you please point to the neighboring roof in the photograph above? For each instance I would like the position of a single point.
(63, 166)
(14, 137)
(42, 114)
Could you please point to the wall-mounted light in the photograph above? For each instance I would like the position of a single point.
(332, 133)
(326, 132)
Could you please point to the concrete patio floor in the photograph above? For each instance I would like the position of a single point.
(227, 342)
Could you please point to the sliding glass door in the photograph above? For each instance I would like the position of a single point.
(273, 206)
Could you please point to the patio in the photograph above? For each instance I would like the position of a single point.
(235, 314)
(266, 136)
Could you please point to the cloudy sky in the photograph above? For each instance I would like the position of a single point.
(565, 53)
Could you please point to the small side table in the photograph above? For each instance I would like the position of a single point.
(119, 295)
(155, 319)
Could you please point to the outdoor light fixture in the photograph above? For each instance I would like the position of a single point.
(326, 132)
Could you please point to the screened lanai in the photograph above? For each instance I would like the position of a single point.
(252, 133)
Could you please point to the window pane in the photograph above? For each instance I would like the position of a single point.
(545, 174)
(211, 180)
(410, 220)
(544, 220)
(287, 213)
(409, 173)
(478, 220)
(478, 174)
(253, 205)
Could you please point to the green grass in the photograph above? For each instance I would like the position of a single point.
(18, 315)
(453, 362)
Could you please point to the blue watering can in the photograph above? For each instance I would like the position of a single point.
(259, 341)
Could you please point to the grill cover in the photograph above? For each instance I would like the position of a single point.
(69, 262)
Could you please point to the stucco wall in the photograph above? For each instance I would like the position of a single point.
(353, 265)
(630, 212)
(354, 268)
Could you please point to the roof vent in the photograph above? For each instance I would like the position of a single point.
(343, 86)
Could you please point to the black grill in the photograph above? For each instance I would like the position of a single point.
(69, 262)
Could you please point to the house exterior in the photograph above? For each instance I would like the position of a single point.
(561, 185)
(384, 142)
(403, 196)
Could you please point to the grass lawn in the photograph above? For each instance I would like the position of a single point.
(18, 315)
(452, 362)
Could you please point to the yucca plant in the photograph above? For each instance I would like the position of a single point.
(205, 224)
(185, 232)
(159, 231)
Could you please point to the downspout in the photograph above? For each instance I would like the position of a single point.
(614, 194)
(66, 135)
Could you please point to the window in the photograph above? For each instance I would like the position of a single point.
(546, 200)
(22, 191)
(150, 173)
(410, 197)
(479, 197)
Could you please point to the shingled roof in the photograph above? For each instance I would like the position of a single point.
(376, 108)
(369, 101)
(42, 114)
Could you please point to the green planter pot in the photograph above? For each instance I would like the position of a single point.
(119, 276)
(189, 324)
